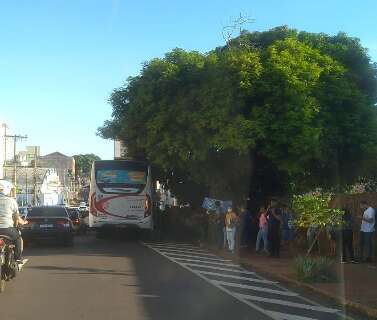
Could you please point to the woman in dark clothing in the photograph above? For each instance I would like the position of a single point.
(347, 237)
(274, 221)
(220, 226)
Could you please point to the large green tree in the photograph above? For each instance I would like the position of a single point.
(84, 164)
(269, 111)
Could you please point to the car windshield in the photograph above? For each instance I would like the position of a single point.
(47, 212)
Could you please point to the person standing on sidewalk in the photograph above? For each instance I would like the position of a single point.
(231, 226)
(220, 226)
(274, 221)
(366, 231)
(347, 237)
(263, 230)
(245, 227)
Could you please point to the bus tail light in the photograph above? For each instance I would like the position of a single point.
(147, 206)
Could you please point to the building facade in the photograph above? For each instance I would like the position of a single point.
(37, 186)
(25, 158)
(120, 151)
(64, 166)
(2, 147)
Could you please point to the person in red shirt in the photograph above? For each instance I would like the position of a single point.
(263, 230)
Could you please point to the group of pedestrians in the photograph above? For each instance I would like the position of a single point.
(366, 234)
(274, 226)
(270, 224)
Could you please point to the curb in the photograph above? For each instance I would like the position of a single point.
(349, 305)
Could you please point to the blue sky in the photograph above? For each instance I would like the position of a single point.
(60, 60)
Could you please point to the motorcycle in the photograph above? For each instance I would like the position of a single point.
(8, 264)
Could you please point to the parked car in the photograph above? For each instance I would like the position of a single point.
(48, 223)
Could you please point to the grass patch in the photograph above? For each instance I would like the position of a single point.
(315, 269)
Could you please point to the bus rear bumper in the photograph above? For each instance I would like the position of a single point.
(145, 224)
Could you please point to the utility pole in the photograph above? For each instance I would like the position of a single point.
(27, 191)
(35, 178)
(15, 138)
(4, 125)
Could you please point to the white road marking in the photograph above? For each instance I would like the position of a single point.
(224, 264)
(201, 253)
(180, 249)
(252, 305)
(287, 303)
(287, 316)
(254, 288)
(195, 256)
(175, 244)
(216, 268)
(247, 299)
(237, 277)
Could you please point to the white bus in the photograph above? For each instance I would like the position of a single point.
(120, 195)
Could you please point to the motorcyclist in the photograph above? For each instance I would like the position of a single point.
(9, 216)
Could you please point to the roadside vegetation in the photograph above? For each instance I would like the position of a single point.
(275, 112)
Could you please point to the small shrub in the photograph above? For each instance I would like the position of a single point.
(315, 269)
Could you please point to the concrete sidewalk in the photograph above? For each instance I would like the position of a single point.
(356, 288)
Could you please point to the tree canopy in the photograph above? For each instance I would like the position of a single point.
(84, 164)
(270, 111)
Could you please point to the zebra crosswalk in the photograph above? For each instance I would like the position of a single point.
(263, 295)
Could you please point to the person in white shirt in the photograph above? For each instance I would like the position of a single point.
(9, 216)
(366, 231)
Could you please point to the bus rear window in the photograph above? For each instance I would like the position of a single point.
(120, 176)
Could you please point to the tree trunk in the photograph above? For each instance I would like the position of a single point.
(316, 239)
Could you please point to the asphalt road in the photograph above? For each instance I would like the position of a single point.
(125, 279)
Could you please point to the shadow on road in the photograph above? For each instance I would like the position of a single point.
(77, 270)
(164, 290)
(86, 245)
